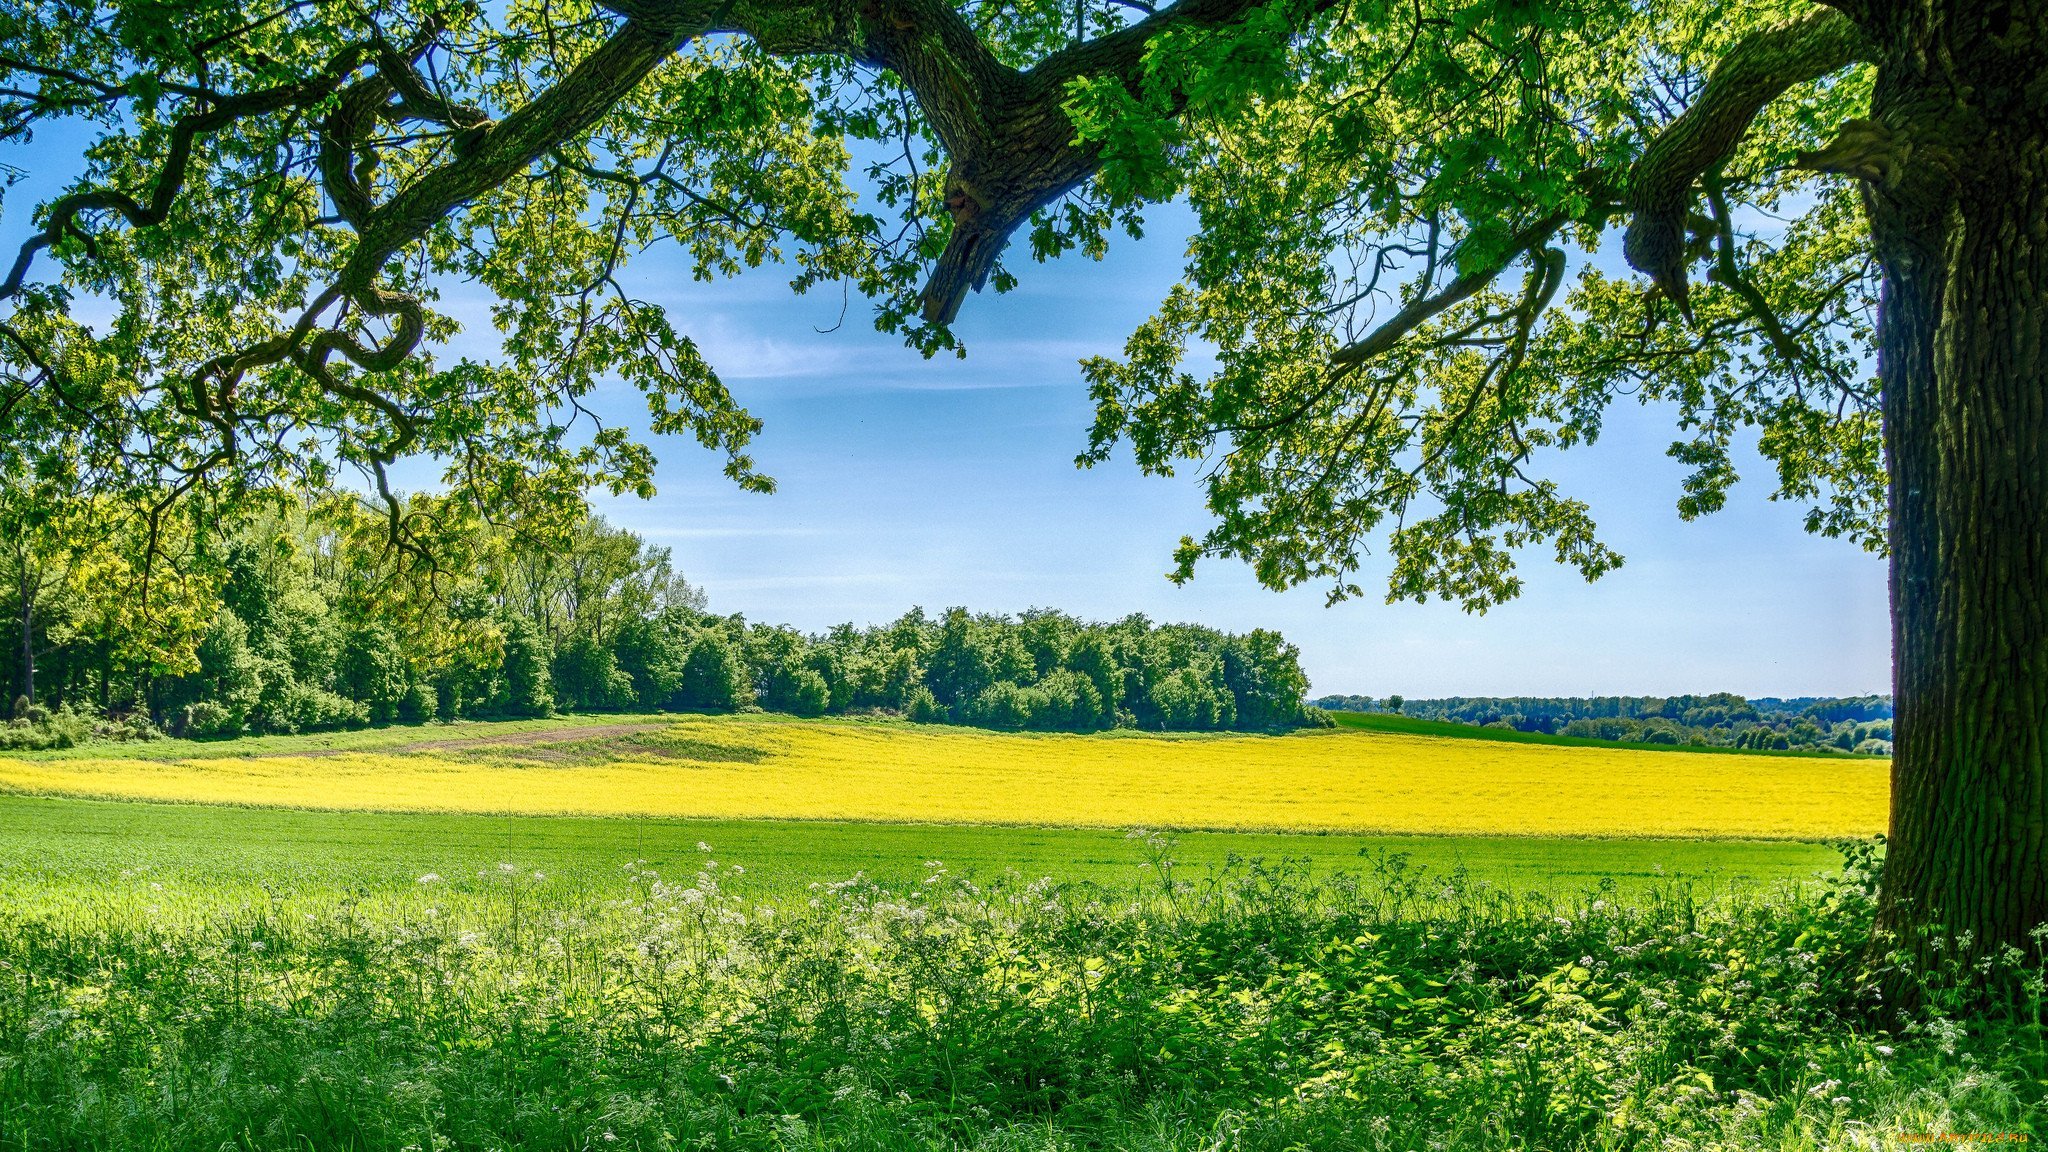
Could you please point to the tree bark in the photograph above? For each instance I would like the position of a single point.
(1956, 156)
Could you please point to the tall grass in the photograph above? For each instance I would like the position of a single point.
(1248, 1007)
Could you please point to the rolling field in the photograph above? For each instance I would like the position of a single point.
(599, 933)
(764, 767)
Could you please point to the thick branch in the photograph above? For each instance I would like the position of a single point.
(1008, 139)
(1757, 71)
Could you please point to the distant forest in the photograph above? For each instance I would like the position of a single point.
(1721, 719)
(300, 621)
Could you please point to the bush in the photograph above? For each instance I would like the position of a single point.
(714, 677)
(206, 720)
(1187, 701)
(1003, 706)
(420, 703)
(304, 708)
(1065, 701)
(528, 687)
(921, 707)
(809, 695)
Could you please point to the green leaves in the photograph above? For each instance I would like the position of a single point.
(1379, 378)
(1373, 345)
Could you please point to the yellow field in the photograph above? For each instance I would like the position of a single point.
(769, 767)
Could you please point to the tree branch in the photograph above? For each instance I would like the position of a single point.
(1755, 72)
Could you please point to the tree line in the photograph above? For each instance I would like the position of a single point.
(302, 619)
(1720, 719)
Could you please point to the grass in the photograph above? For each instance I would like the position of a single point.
(63, 846)
(326, 961)
(734, 767)
(1413, 726)
(1249, 1008)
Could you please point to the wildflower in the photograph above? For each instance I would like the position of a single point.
(505, 866)
(703, 847)
(431, 878)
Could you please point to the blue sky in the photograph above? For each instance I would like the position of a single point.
(905, 481)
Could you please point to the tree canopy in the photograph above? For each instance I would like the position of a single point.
(277, 201)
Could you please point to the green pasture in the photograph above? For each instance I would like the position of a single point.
(66, 843)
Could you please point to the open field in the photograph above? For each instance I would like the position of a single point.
(774, 768)
(278, 971)
(61, 847)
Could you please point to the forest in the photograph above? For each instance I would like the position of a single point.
(297, 621)
(1861, 724)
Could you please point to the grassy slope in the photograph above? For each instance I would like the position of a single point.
(1411, 726)
(772, 767)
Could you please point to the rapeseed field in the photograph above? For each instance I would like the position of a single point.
(774, 767)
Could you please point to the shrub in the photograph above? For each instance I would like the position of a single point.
(1002, 705)
(420, 703)
(1186, 701)
(208, 719)
(809, 695)
(305, 708)
(921, 707)
(528, 689)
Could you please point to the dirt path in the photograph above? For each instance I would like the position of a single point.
(539, 736)
(566, 735)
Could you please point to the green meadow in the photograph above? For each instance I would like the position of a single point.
(198, 976)
(63, 842)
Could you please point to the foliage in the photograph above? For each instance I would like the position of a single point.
(1397, 207)
(1249, 1008)
(1397, 309)
(1856, 724)
(36, 729)
(308, 626)
(768, 766)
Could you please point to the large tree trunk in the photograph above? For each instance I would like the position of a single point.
(1959, 213)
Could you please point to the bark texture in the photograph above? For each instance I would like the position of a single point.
(1955, 163)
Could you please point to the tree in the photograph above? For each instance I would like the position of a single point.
(1390, 197)
(526, 689)
(1913, 232)
(33, 574)
(373, 670)
(714, 676)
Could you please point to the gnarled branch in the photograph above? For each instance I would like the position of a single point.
(1755, 72)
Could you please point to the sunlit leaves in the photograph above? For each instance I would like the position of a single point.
(1398, 196)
